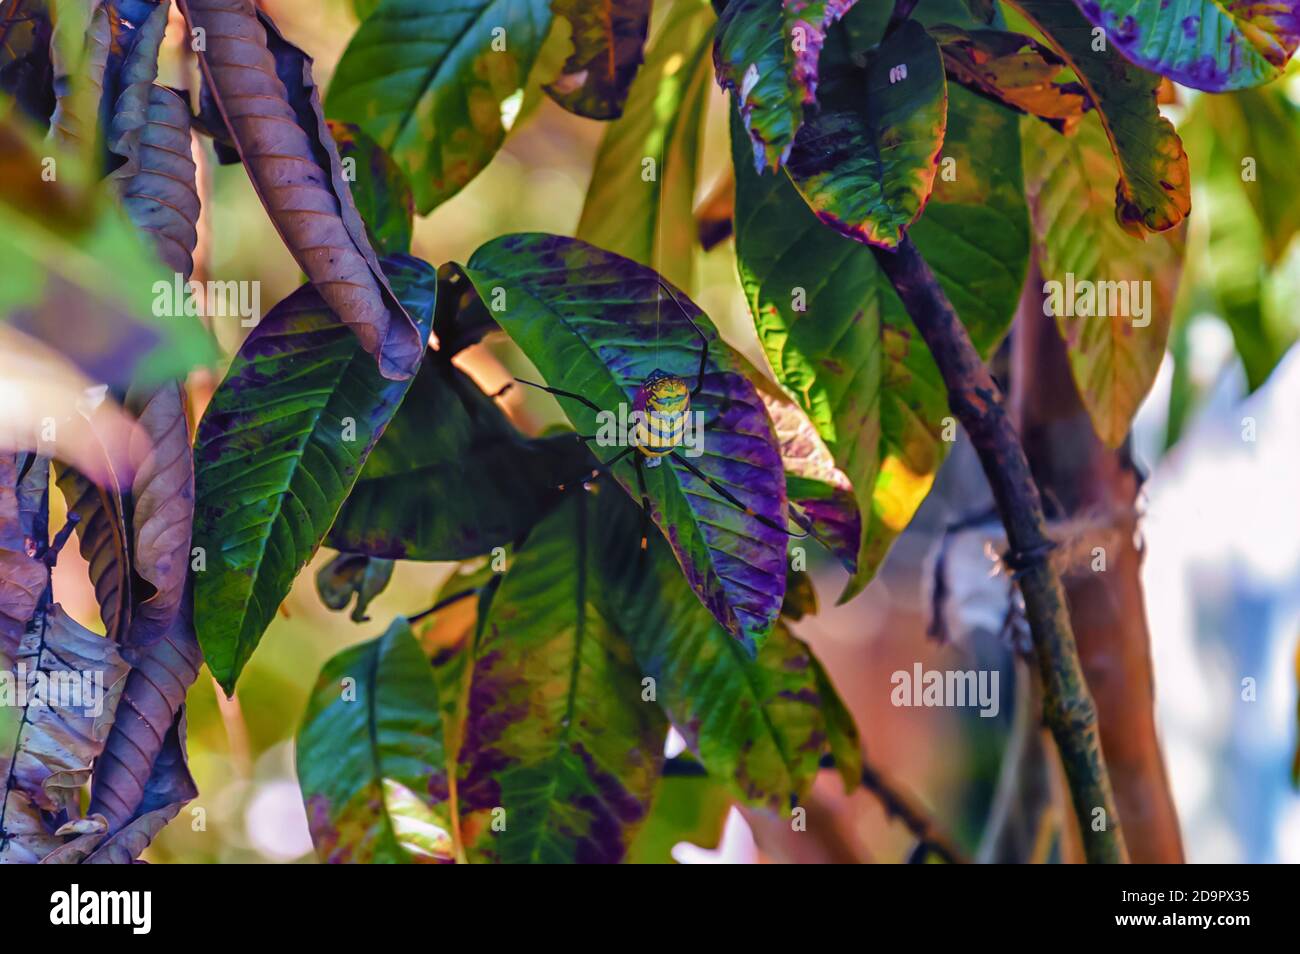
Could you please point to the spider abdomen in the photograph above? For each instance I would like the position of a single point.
(664, 404)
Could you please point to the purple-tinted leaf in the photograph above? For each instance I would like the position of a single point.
(100, 506)
(767, 53)
(162, 499)
(1213, 45)
(50, 757)
(148, 711)
(608, 46)
(22, 578)
(558, 733)
(599, 325)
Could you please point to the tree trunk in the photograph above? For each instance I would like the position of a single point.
(1096, 490)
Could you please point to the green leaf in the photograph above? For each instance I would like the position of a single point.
(608, 45)
(649, 217)
(560, 744)
(767, 53)
(1113, 294)
(599, 325)
(456, 490)
(371, 759)
(1213, 45)
(379, 189)
(850, 356)
(758, 724)
(1154, 190)
(277, 452)
(865, 161)
(427, 81)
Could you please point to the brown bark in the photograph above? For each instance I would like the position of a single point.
(978, 404)
(1096, 489)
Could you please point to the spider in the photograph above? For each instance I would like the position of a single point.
(664, 402)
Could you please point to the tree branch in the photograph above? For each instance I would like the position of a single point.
(977, 402)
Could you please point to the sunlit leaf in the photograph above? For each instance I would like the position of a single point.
(841, 344)
(370, 756)
(1113, 293)
(598, 325)
(1015, 70)
(427, 82)
(643, 186)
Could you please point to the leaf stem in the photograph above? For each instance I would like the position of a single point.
(978, 404)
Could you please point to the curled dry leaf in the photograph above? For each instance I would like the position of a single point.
(50, 757)
(263, 88)
(162, 495)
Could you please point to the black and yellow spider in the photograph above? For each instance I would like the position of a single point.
(664, 402)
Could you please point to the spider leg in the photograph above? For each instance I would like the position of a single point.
(704, 341)
(557, 392)
(645, 506)
(600, 470)
(731, 498)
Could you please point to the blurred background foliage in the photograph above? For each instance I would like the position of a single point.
(1237, 317)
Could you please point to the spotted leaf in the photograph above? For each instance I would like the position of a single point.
(371, 758)
(608, 46)
(1154, 188)
(767, 53)
(865, 160)
(561, 749)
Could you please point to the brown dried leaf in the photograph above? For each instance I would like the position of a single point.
(263, 87)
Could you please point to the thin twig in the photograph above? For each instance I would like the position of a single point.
(902, 12)
(902, 805)
(443, 604)
(978, 404)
